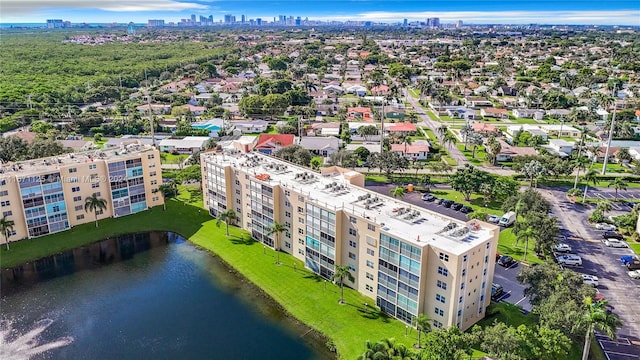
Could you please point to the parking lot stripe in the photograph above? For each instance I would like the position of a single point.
(621, 354)
(521, 300)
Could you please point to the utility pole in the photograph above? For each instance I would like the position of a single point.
(153, 137)
(613, 121)
(382, 130)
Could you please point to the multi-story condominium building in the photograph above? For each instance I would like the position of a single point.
(44, 196)
(408, 259)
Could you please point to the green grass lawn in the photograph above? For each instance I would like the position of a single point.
(303, 293)
(431, 115)
(449, 160)
(476, 202)
(611, 168)
(506, 246)
(479, 155)
(431, 135)
(635, 246)
(168, 158)
(415, 93)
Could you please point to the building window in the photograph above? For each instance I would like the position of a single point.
(92, 166)
(75, 189)
(440, 298)
(352, 256)
(484, 272)
(442, 285)
(77, 198)
(237, 191)
(73, 170)
(459, 312)
(486, 259)
(150, 156)
(352, 219)
(287, 193)
(7, 213)
(5, 203)
(439, 311)
(287, 244)
(3, 182)
(287, 225)
(300, 231)
(288, 236)
(79, 217)
(287, 204)
(300, 241)
(97, 185)
(370, 276)
(488, 245)
(371, 227)
(352, 243)
(464, 272)
(370, 252)
(480, 310)
(437, 324)
(287, 214)
(460, 300)
(300, 198)
(352, 231)
(369, 287)
(465, 258)
(370, 264)
(153, 173)
(444, 257)
(237, 182)
(461, 286)
(152, 165)
(4, 193)
(352, 267)
(78, 207)
(97, 193)
(300, 251)
(442, 271)
(300, 209)
(238, 201)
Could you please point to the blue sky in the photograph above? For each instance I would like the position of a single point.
(605, 12)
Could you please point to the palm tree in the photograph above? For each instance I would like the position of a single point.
(580, 164)
(596, 317)
(618, 184)
(526, 234)
(423, 324)
(591, 177)
(449, 139)
(94, 204)
(227, 217)
(443, 129)
(603, 206)
(341, 272)
(406, 140)
(397, 192)
(277, 229)
(169, 189)
(6, 227)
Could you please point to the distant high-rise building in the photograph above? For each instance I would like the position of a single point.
(243, 19)
(259, 21)
(55, 24)
(155, 23)
(433, 22)
(459, 24)
(405, 22)
(298, 21)
(131, 28)
(282, 19)
(193, 18)
(368, 23)
(227, 19)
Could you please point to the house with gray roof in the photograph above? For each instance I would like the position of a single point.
(321, 146)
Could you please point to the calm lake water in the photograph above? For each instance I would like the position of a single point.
(145, 296)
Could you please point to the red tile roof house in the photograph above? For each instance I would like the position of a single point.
(484, 128)
(404, 128)
(270, 143)
(380, 90)
(494, 113)
(411, 152)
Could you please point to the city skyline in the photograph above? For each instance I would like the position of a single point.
(624, 12)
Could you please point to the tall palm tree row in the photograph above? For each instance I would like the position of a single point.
(596, 317)
(277, 229)
(95, 204)
(422, 324)
(6, 227)
(590, 177)
(618, 184)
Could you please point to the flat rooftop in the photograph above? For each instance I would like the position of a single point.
(399, 219)
(53, 163)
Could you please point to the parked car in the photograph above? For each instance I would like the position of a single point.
(634, 274)
(496, 291)
(507, 219)
(447, 203)
(493, 219)
(563, 248)
(428, 197)
(590, 280)
(615, 243)
(437, 201)
(506, 261)
(456, 206)
(612, 235)
(569, 260)
(466, 210)
(605, 226)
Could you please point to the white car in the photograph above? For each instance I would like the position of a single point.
(493, 219)
(614, 243)
(634, 274)
(590, 280)
(605, 226)
(564, 248)
(571, 260)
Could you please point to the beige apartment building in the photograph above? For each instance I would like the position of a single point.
(45, 196)
(407, 259)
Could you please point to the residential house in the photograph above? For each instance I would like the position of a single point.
(561, 130)
(507, 91)
(195, 110)
(243, 143)
(463, 113)
(320, 146)
(400, 128)
(638, 115)
(412, 151)
(475, 102)
(372, 147)
(186, 145)
(359, 113)
(250, 126)
(358, 90)
(26, 136)
(494, 113)
(158, 109)
(78, 144)
(270, 143)
(561, 147)
(509, 152)
(484, 129)
(600, 154)
(380, 90)
(528, 114)
(534, 130)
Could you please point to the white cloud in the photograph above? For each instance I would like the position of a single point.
(13, 8)
(612, 17)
